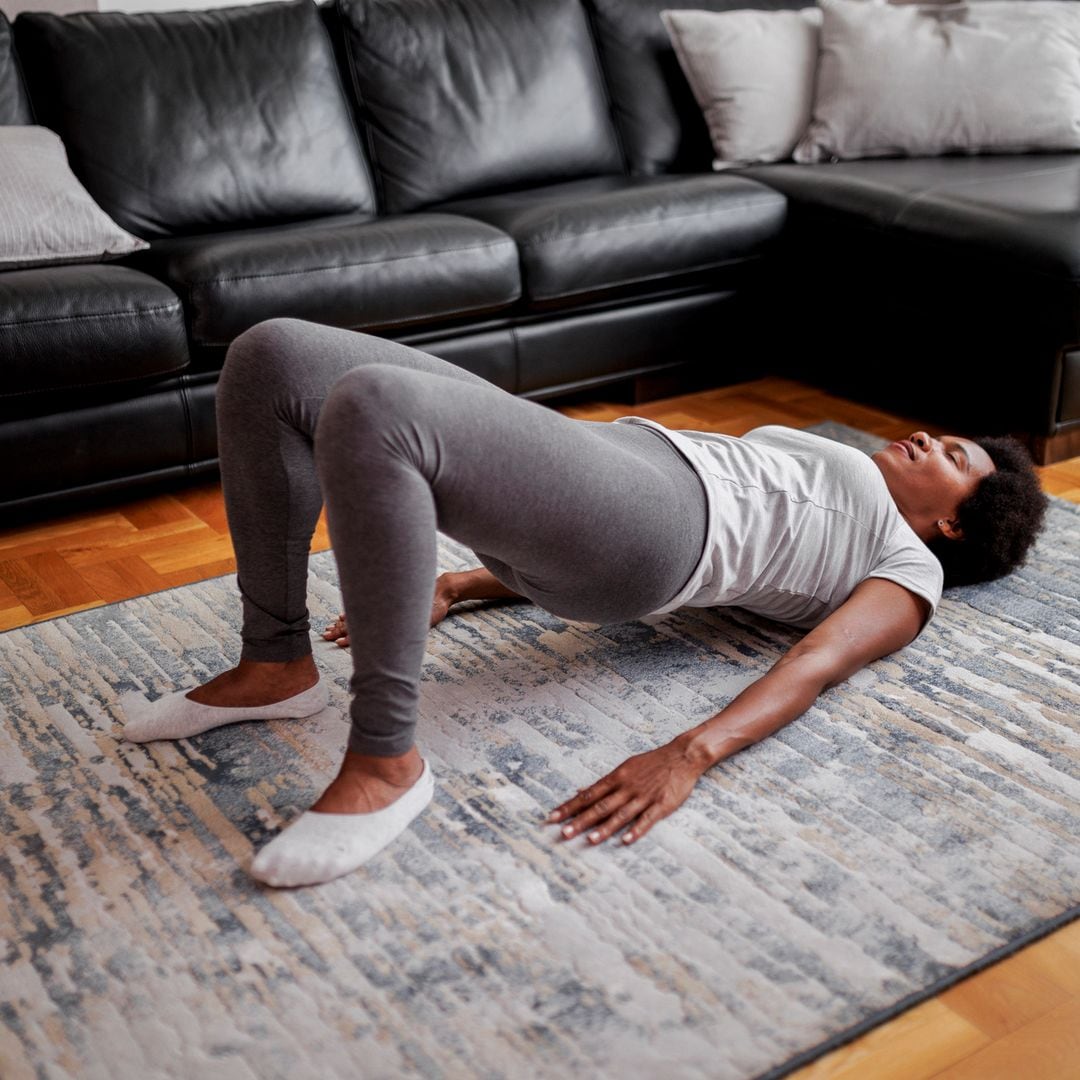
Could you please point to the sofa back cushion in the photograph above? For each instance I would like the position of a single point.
(14, 107)
(462, 97)
(192, 121)
(661, 125)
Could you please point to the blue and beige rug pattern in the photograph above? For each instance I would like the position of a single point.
(917, 818)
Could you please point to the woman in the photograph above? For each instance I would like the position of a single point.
(599, 522)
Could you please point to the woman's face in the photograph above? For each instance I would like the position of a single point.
(929, 478)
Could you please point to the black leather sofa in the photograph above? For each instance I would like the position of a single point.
(519, 186)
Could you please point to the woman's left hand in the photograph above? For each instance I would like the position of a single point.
(643, 789)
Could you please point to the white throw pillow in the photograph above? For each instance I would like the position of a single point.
(996, 76)
(752, 74)
(46, 215)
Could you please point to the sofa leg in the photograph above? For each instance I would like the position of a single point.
(662, 384)
(1046, 449)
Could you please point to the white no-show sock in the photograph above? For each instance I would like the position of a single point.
(176, 716)
(319, 847)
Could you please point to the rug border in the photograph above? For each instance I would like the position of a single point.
(834, 1042)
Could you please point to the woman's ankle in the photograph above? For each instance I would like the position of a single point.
(276, 667)
(254, 682)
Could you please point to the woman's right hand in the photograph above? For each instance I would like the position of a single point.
(445, 597)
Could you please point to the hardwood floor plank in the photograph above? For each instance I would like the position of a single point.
(163, 510)
(1057, 958)
(200, 572)
(206, 504)
(62, 578)
(210, 547)
(1054, 483)
(34, 594)
(13, 617)
(1046, 1049)
(142, 542)
(53, 530)
(70, 540)
(1007, 996)
(914, 1046)
(7, 596)
(119, 579)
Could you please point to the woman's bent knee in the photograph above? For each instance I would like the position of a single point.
(375, 395)
(266, 349)
(380, 410)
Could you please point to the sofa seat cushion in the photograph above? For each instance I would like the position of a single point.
(74, 327)
(589, 236)
(350, 270)
(1022, 210)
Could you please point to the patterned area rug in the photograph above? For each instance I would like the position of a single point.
(917, 822)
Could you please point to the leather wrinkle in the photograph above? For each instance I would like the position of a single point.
(344, 24)
(605, 82)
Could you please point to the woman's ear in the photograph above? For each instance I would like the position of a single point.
(950, 529)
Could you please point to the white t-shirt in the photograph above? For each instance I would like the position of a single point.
(795, 522)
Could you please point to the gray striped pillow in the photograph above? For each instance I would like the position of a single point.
(46, 215)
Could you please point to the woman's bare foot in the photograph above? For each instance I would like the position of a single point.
(366, 783)
(254, 682)
(445, 597)
(336, 631)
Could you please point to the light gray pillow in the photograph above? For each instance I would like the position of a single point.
(46, 215)
(996, 76)
(752, 74)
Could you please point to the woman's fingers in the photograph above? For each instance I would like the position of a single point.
(648, 819)
(627, 812)
(602, 808)
(585, 797)
(647, 787)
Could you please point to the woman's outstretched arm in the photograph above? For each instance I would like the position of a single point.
(877, 619)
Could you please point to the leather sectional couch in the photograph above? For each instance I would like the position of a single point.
(519, 186)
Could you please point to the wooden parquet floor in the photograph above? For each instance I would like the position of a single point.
(1017, 1020)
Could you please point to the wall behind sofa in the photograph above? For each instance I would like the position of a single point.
(168, 5)
(11, 8)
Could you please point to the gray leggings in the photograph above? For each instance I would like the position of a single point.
(590, 520)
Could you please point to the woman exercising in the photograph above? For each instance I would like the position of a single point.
(593, 521)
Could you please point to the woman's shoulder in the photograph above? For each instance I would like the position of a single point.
(783, 436)
(833, 463)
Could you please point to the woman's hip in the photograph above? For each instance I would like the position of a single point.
(642, 551)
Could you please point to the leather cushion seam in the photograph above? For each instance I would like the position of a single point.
(653, 224)
(472, 309)
(99, 382)
(91, 315)
(659, 275)
(349, 266)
